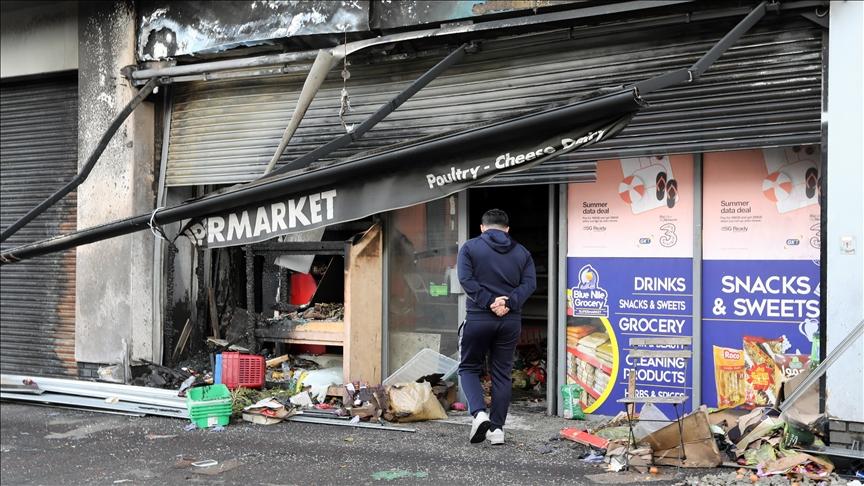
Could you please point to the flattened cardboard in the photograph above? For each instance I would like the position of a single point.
(699, 445)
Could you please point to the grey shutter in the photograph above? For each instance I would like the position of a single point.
(763, 92)
(38, 154)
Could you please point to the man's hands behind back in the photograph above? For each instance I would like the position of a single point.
(499, 307)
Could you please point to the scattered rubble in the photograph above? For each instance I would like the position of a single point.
(317, 312)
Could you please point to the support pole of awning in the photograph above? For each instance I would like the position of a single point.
(324, 62)
(389, 107)
(88, 166)
(694, 72)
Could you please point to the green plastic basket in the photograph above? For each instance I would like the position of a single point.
(209, 405)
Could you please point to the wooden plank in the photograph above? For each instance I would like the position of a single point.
(181, 343)
(272, 363)
(364, 280)
(301, 337)
(631, 390)
(321, 326)
(214, 318)
(662, 341)
(659, 353)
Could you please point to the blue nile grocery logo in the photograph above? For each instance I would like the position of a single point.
(588, 298)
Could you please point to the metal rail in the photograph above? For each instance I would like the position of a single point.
(820, 370)
(382, 112)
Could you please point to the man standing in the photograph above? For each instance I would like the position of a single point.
(497, 274)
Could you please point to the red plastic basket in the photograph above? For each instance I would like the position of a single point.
(243, 370)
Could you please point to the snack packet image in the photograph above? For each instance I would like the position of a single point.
(729, 376)
(791, 365)
(763, 376)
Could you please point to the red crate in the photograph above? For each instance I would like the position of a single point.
(243, 370)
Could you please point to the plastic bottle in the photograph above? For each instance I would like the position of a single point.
(814, 351)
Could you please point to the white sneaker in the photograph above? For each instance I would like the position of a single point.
(496, 437)
(479, 427)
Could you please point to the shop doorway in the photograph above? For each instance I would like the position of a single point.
(528, 208)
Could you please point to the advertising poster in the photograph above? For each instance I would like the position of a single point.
(629, 274)
(760, 290)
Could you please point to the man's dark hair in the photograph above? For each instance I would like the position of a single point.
(495, 217)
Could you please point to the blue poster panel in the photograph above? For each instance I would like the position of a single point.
(760, 273)
(761, 315)
(629, 272)
(611, 300)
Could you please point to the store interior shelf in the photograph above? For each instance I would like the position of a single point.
(585, 387)
(330, 333)
(592, 360)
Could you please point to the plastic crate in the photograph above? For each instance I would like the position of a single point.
(209, 405)
(242, 370)
(426, 362)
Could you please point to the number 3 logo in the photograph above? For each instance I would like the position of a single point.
(669, 237)
(816, 239)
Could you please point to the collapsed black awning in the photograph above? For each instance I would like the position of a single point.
(398, 177)
(412, 174)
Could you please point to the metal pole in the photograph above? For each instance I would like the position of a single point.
(551, 297)
(158, 244)
(206, 67)
(88, 166)
(699, 67)
(324, 62)
(696, 285)
(389, 107)
(562, 285)
(823, 367)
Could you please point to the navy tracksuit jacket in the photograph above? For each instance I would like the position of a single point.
(490, 266)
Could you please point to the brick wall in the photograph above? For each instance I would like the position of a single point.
(844, 434)
(88, 371)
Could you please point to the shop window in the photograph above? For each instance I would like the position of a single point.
(423, 310)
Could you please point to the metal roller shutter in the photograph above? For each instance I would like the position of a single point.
(38, 154)
(765, 91)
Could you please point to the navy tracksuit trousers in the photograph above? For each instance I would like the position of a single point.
(496, 337)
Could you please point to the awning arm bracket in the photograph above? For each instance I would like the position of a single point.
(695, 71)
(389, 107)
(143, 93)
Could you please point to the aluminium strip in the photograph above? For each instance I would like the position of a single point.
(138, 394)
(361, 425)
(123, 397)
(95, 403)
(42, 382)
(90, 410)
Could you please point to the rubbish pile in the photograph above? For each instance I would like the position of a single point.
(302, 314)
(759, 443)
(309, 388)
(302, 388)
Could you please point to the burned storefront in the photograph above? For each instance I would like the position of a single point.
(764, 92)
(311, 198)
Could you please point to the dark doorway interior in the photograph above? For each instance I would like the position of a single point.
(528, 208)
